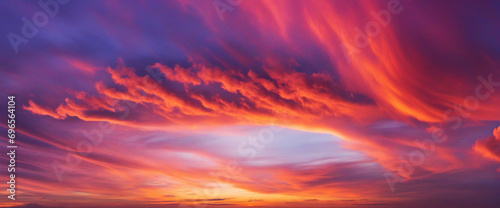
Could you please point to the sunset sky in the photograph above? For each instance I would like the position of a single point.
(266, 103)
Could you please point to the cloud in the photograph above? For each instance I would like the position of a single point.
(35, 205)
(489, 147)
(41, 110)
(250, 98)
(189, 88)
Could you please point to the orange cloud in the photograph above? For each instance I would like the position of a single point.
(41, 110)
(82, 65)
(249, 98)
(388, 79)
(489, 147)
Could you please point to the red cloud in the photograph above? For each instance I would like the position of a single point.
(489, 147)
(249, 98)
(41, 110)
(312, 101)
(388, 79)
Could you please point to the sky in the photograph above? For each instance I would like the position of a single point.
(239, 103)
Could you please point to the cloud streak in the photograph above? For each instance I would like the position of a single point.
(357, 85)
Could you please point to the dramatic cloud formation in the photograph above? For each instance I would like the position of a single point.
(255, 103)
